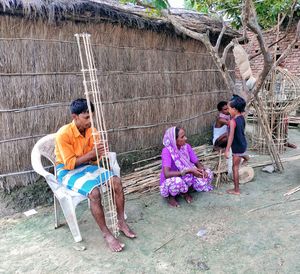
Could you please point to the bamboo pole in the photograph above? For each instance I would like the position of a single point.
(292, 191)
(267, 133)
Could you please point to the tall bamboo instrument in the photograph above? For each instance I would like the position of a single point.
(93, 94)
(279, 96)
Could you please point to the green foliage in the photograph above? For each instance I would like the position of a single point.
(149, 4)
(153, 12)
(160, 4)
(127, 1)
(267, 10)
(200, 5)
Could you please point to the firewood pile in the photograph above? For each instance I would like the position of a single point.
(146, 178)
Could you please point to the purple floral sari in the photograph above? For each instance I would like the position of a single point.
(176, 185)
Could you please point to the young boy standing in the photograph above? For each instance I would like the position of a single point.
(236, 139)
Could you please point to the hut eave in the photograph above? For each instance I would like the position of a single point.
(132, 16)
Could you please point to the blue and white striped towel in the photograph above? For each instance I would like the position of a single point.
(82, 179)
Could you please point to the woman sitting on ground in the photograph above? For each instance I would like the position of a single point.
(181, 169)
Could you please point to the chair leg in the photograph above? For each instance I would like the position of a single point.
(70, 215)
(56, 211)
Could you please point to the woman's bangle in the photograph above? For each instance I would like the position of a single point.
(182, 172)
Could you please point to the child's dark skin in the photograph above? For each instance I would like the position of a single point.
(236, 159)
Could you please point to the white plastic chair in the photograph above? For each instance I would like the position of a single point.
(67, 199)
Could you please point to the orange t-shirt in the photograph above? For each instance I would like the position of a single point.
(70, 144)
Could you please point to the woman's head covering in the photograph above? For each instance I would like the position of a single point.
(170, 137)
(180, 156)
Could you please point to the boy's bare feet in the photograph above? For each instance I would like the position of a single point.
(232, 191)
(126, 230)
(114, 244)
(172, 202)
(187, 197)
(245, 160)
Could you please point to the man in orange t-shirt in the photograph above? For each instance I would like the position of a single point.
(76, 169)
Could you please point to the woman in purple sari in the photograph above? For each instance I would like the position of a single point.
(181, 169)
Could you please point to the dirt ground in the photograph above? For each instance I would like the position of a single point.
(233, 238)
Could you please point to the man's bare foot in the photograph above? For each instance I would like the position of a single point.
(114, 244)
(232, 191)
(126, 230)
(291, 145)
(172, 202)
(187, 197)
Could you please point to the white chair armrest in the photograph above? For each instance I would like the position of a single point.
(37, 163)
(112, 156)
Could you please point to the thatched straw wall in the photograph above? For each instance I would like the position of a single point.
(149, 81)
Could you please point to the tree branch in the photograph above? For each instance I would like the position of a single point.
(140, 3)
(216, 47)
(225, 52)
(290, 46)
(292, 10)
(250, 20)
(229, 46)
(204, 38)
(269, 46)
(279, 24)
